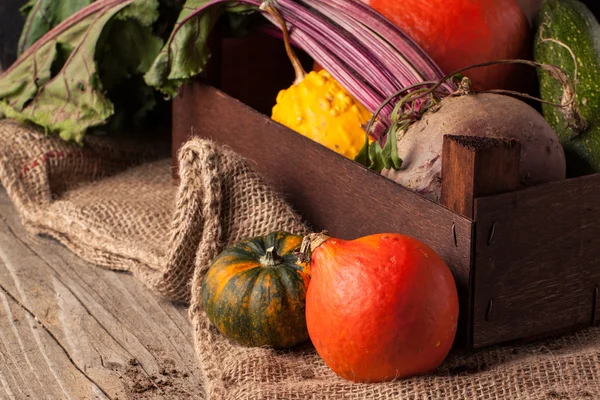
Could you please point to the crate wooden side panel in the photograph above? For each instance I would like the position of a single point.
(537, 262)
(328, 190)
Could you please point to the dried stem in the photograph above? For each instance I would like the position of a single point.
(300, 73)
(571, 114)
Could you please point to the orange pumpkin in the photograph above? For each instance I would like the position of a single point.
(460, 33)
(380, 307)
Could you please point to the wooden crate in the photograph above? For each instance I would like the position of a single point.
(526, 262)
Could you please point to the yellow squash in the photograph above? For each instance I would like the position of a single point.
(318, 107)
(321, 109)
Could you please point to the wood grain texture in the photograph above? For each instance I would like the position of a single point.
(70, 330)
(252, 69)
(537, 260)
(329, 191)
(477, 166)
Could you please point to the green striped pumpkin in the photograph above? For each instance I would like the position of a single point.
(255, 292)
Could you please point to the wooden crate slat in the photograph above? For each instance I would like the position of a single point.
(537, 261)
(476, 166)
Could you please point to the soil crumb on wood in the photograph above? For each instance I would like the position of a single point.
(168, 380)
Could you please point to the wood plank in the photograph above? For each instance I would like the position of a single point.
(70, 330)
(329, 191)
(477, 166)
(537, 260)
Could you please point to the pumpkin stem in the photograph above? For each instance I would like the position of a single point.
(310, 244)
(271, 258)
(300, 73)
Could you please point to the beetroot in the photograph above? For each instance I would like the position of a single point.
(488, 115)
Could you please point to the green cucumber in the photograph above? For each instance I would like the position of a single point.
(571, 23)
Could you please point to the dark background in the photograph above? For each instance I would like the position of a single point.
(593, 5)
(11, 22)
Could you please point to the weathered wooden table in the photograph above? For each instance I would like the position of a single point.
(71, 330)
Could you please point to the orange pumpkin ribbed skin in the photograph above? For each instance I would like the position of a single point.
(380, 307)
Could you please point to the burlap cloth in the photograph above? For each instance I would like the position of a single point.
(114, 204)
